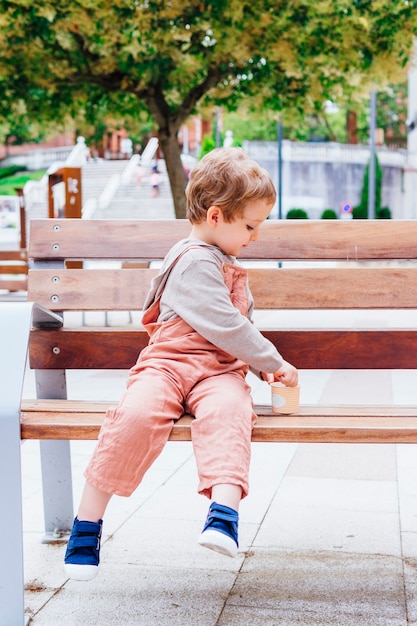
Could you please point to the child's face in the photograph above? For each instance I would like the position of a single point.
(232, 237)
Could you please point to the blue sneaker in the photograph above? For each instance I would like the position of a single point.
(83, 550)
(220, 530)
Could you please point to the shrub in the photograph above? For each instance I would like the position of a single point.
(329, 214)
(384, 213)
(11, 169)
(360, 212)
(297, 214)
(207, 145)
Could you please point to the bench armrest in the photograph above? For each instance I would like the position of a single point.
(16, 321)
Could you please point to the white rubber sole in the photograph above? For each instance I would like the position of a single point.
(213, 540)
(81, 572)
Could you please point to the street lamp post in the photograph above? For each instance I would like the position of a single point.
(280, 169)
(371, 180)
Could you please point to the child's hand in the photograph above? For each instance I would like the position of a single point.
(287, 375)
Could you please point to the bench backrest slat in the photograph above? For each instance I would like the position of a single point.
(286, 239)
(112, 348)
(125, 290)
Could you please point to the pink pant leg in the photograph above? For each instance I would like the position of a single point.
(134, 433)
(221, 431)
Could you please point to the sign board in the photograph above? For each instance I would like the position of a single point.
(9, 219)
(65, 193)
(346, 207)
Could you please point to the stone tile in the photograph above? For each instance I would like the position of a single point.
(323, 588)
(313, 522)
(351, 461)
(137, 595)
(358, 387)
(410, 579)
(407, 455)
(404, 387)
(337, 494)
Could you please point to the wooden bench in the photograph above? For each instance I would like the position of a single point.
(296, 265)
(13, 270)
(14, 261)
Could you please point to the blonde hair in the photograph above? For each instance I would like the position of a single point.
(227, 178)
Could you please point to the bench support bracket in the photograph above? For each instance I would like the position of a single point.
(56, 466)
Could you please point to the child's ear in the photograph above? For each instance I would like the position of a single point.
(214, 216)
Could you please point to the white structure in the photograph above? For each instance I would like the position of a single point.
(410, 171)
(319, 176)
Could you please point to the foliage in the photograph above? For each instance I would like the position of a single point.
(297, 214)
(207, 145)
(361, 211)
(10, 170)
(329, 214)
(251, 124)
(391, 110)
(17, 125)
(329, 122)
(9, 184)
(61, 58)
(384, 213)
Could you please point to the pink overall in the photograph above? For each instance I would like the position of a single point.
(180, 371)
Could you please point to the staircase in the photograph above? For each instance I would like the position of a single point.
(112, 189)
(133, 199)
(96, 175)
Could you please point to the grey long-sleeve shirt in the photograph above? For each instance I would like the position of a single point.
(194, 290)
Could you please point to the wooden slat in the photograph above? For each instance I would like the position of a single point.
(13, 284)
(347, 240)
(125, 290)
(90, 290)
(334, 288)
(92, 239)
(14, 268)
(284, 239)
(112, 348)
(60, 419)
(86, 348)
(13, 255)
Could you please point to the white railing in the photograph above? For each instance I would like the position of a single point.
(326, 152)
(38, 159)
(130, 169)
(36, 192)
(109, 191)
(149, 151)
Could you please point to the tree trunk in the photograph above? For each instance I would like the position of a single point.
(175, 169)
(352, 127)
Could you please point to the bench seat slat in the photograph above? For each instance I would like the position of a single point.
(70, 419)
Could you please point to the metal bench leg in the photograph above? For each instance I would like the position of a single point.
(56, 466)
(15, 324)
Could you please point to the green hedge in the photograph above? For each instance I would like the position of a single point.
(329, 214)
(297, 214)
(11, 169)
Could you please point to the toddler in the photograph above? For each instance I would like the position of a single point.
(201, 344)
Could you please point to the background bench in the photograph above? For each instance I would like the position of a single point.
(296, 265)
(14, 259)
(13, 270)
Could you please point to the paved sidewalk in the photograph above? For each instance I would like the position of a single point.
(328, 534)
